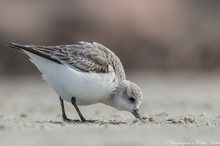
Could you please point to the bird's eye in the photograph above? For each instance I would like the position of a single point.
(132, 99)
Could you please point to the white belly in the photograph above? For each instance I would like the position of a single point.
(87, 88)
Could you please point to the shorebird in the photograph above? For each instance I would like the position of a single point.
(84, 74)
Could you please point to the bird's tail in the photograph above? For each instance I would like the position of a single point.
(23, 48)
(34, 50)
(17, 46)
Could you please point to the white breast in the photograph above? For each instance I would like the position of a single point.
(87, 88)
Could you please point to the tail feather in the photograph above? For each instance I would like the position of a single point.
(33, 49)
(15, 46)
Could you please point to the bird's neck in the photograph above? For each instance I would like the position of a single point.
(110, 100)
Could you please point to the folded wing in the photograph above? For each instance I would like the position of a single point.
(84, 56)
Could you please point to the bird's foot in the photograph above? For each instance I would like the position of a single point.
(67, 120)
(90, 121)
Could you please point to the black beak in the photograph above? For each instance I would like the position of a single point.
(136, 114)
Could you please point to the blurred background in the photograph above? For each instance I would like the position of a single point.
(145, 34)
(170, 48)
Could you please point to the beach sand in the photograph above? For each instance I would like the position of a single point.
(178, 109)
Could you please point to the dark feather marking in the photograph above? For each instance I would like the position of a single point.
(29, 49)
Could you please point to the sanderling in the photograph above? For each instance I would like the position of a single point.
(83, 74)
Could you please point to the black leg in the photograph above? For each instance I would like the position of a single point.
(73, 100)
(63, 111)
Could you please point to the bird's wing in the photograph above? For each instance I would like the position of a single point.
(84, 56)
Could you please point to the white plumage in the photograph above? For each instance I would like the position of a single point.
(88, 88)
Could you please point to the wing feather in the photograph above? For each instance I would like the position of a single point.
(84, 56)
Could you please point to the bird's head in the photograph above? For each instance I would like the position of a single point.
(128, 96)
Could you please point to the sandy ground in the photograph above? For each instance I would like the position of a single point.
(178, 109)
